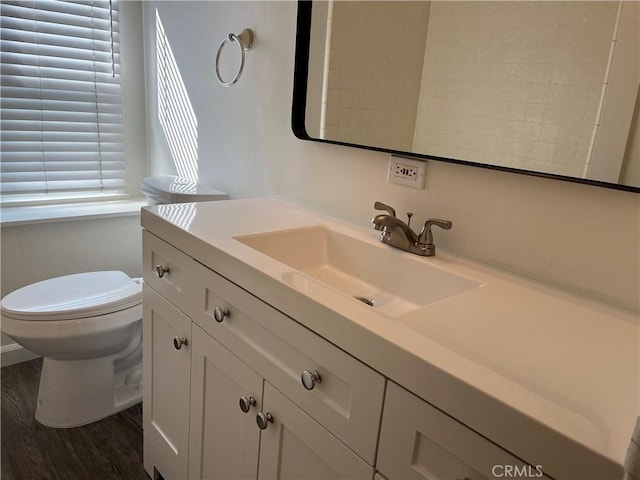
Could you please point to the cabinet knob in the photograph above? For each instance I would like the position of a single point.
(247, 403)
(161, 271)
(219, 313)
(263, 420)
(178, 342)
(309, 379)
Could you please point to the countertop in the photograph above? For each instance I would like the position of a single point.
(548, 375)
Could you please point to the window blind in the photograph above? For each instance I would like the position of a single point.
(61, 105)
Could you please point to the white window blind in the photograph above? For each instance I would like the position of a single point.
(61, 104)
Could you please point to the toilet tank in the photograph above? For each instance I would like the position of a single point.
(172, 189)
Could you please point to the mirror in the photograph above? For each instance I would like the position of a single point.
(541, 88)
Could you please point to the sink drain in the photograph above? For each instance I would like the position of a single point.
(366, 301)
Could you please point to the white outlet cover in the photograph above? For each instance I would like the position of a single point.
(397, 162)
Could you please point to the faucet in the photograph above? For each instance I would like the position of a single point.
(399, 234)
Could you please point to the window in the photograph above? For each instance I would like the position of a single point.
(61, 104)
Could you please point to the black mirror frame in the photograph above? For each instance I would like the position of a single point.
(299, 107)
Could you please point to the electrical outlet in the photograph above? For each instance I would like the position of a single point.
(406, 171)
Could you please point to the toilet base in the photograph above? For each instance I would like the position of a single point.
(76, 392)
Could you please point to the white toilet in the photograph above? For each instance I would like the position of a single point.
(88, 328)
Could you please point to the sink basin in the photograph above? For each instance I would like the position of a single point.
(377, 275)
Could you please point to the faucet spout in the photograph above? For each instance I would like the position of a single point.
(394, 231)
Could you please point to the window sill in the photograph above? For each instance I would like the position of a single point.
(13, 216)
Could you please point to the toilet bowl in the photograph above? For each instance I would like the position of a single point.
(88, 329)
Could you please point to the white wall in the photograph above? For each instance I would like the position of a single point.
(581, 237)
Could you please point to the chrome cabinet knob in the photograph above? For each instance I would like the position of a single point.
(309, 379)
(247, 403)
(161, 271)
(263, 420)
(219, 313)
(178, 342)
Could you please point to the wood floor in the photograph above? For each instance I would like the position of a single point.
(110, 449)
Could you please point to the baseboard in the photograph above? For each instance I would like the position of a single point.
(14, 353)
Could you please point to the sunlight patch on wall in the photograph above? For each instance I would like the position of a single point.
(175, 111)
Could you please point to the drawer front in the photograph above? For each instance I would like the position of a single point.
(419, 441)
(347, 399)
(167, 270)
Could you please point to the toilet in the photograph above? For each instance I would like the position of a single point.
(88, 329)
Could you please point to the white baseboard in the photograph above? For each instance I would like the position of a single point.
(14, 353)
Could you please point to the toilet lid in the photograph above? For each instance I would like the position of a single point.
(73, 296)
(173, 189)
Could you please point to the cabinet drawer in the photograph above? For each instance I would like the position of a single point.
(167, 270)
(419, 441)
(348, 398)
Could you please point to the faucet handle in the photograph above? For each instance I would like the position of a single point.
(382, 206)
(426, 237)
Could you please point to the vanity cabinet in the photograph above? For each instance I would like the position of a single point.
(418, 441)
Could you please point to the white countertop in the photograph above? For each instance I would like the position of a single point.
(550, 376)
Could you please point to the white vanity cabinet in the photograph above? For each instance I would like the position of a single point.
(418, 441)
(235, 281)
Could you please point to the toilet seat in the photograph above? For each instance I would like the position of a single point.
(82, 295)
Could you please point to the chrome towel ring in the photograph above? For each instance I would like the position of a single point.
(245, 42)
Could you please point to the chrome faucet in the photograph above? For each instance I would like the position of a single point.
(399, 234)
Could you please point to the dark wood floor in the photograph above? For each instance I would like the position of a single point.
(110, 449)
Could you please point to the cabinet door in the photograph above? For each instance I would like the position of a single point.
(166, 387)
(224, 439)
(296, 447)
(419, 441)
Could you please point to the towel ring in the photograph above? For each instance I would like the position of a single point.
(245, 42)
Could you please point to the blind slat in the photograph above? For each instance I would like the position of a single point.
(65, 69)
(109, 93)
(9, 126)
(30, 157)
(61, 101)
